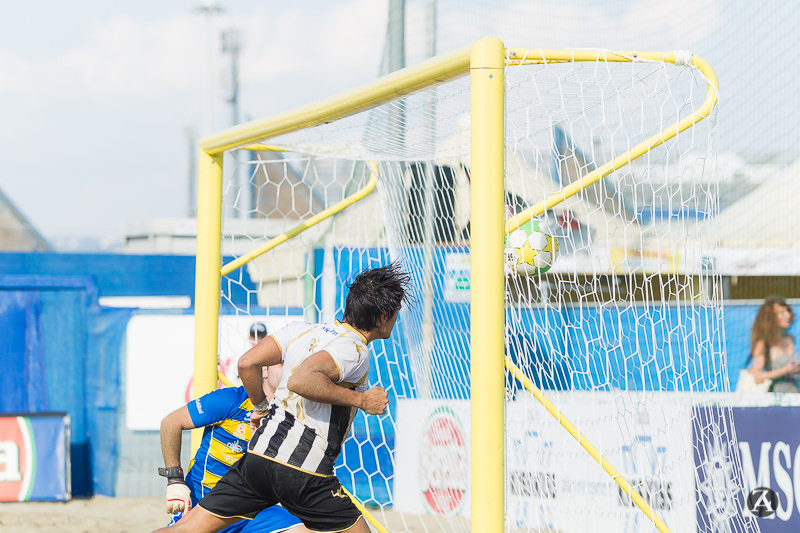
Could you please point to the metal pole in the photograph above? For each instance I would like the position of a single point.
(191, 200)
(231, 46)
(209, 8)
(397, 61)
(397, 32)
(426, 388)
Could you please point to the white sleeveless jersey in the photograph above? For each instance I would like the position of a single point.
(302, 433)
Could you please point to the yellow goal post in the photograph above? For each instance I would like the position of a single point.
(485, 62)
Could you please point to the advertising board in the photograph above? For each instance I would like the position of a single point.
(34, 457)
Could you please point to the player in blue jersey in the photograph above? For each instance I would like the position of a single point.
(225, 416)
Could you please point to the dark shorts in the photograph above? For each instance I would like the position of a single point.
(255, 482)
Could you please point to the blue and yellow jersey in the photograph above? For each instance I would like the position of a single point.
(225, 413)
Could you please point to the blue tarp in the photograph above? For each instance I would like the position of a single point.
(24, 386)
(61, 351)
(132, 275)
(62, 354)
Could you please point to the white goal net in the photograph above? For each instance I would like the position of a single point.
(623, 333)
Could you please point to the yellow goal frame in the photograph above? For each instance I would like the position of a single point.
(485, 61)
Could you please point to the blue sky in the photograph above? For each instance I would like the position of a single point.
(96, 96)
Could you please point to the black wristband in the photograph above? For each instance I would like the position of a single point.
(174, 474)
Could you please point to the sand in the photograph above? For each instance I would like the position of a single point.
(93, 515)
(129, 515)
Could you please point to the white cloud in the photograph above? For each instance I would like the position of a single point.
(16, 71)
(644, 24)
(128, 56)
(308, 45)
(683, 23)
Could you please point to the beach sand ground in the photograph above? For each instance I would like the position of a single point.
(135, 515)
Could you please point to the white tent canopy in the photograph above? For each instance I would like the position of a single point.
(769, 216)
(759, 234)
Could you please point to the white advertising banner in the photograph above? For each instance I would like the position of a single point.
(552, 482)
(160, 361)
(432, 445)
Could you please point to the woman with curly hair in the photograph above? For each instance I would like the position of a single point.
(772, 349)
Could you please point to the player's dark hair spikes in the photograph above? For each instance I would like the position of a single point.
(376, 292)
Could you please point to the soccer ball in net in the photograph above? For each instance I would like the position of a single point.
(529, 250)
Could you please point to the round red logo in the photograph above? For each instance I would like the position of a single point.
(15, 459)
(444, 463)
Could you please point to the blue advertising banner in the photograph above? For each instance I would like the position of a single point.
(763, 473)
(33, 457)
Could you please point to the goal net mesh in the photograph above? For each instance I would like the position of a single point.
(623, 333)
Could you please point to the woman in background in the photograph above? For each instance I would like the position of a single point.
(772, 349)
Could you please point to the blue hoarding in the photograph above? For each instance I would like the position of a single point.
(760, 476)
(33, 457)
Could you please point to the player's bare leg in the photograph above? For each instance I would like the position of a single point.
(198, 520)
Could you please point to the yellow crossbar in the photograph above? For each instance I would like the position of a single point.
(399, 83)
(303, 226)
(261, 147)
(225, 381)
(521, 56)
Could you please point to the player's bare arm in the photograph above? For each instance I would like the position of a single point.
(265, 353)
(759, 370)
(171, 427)
(316, 379)
(178, 494)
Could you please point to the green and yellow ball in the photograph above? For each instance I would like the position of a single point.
(529, 250)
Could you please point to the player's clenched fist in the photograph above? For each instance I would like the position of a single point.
(179, 498)
(374, 401)
(255, 419)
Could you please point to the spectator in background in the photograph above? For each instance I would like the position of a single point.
(227, 365)
(258, 330)
(772, 348)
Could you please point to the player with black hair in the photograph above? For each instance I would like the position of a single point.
(300, 433)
